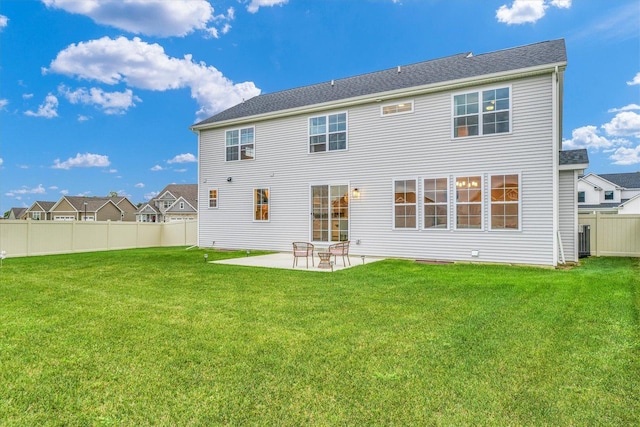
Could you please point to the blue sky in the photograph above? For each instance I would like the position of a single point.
(98, 95)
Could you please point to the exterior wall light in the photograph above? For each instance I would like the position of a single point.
(355, 193)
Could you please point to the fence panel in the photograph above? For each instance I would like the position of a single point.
(27, 238)
(613, 235)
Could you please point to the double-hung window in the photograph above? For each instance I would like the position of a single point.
(469, 202)
(482, 113)
(505, 202)
(436, 201)
(240, 144)
(581, 196)
(261, 204)
(405, 208)
(213, 198)
(328, 133)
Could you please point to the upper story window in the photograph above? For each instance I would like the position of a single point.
(35, 215)
(481, 113)
(181, 205)
(261, 204)
(405, 208)
(436, 202)
(469, 202)
(240, 144)
(608, 195)
(213, 198)
(581, 196)
(505, 202)
(328, 133)
(399, 108)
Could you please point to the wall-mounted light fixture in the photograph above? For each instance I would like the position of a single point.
(229, 179)
(355, 193)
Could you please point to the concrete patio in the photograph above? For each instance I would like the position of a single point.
(285, 260)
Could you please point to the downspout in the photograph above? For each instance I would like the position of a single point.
(198, 207)
(555, 100)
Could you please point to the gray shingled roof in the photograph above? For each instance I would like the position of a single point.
(574, 157)
(450, 68)
(624, 180)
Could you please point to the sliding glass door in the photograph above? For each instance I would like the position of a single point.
(330, 213)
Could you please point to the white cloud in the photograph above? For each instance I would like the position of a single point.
(139, 185)
(151, 17)
(180, 170)
(625, 123)
(3, 21)
(110, 102)
(528, 11)
(27, 96)
(156, 168)
(53, 188)
(630, 107)
(146, 66)
(3, 103)
(47, 109)
(1, 161)
(183, 158)
(254, 5)
(64, 192)
(151, 195)
(26, 190)
(86, 160)
(82, 118)
(635, 81)
(626, 156)
(587, 137)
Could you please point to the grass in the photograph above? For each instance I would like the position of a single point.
(158, 337)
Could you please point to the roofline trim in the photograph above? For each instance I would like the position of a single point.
(389, 95)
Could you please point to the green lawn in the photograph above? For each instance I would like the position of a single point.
(159, 337)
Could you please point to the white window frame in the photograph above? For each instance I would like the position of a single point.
(446, 203)
(181, 206)
(35, 215)
(481, 114)
(327, 132)
(239, 144)
(399, 108)
(457, 203)
(396, 203)
(216, 198)
(492, 203)
(256, 204)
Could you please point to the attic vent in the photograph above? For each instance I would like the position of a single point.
(333, 83)
(470, 55)
(399, 69)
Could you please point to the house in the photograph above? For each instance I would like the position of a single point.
(176, 202)
(457, 158)
(17, 213)
(78, 208)
(613, 193)
(40, 211)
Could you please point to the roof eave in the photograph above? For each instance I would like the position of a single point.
(388, 95)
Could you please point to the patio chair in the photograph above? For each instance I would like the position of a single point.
(302, 249)
(340, 249)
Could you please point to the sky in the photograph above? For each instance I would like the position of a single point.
(97, 96)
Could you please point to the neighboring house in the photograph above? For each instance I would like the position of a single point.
(457, 158)
(176, 202)
(17, 213)
(77, 208)
(614, 193)
(40, 211)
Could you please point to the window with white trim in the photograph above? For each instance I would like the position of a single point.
(328, 133)
(240, 144)
(505, 202)
(469, 202)
(398, 108)
(405, 205)
(608, 195)
(213, 197)
(261, 204)
(436, 203)
(482, 113)
(581, 196)
(35, 215)
(181, 206)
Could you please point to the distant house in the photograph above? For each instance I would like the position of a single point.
(40, 211)
(77, 208)
(17, 213)
(176, 202)
(458, 158)
(612, 193)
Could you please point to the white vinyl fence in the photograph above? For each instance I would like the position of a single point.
(613, 235)
(28, 238)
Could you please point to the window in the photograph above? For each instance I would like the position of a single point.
(505, 202)
(494, 116)
(261, 204)
(581, 196)
(608, 195)
(35, 215)
(328, 133)
(469, 202)
(330, 213)
(166, 204)
(436, 199)
(240, 144)
(405, 203)
(402, 107)
(181, 206)
(213, 198)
